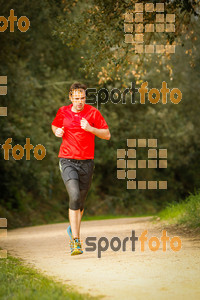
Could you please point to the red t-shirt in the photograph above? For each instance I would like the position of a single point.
(76, 142)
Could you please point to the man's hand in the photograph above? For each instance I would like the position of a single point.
(85, 125)
(59, 132)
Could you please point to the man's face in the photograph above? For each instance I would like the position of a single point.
(78, 99)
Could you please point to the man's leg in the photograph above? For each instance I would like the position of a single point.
(83, 197)
(74, 220)
(72, 187)
(76, 216)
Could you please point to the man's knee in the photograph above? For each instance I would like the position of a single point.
(75, 202)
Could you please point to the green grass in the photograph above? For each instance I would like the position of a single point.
(106, 217)
(98, 217)
(186, 212)
(20, 282)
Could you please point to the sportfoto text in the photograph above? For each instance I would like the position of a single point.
(154, 95)
(116, 244)
(18, 151)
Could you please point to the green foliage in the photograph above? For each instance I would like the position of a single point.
(72, 41)
(99, 26)
(186, 212)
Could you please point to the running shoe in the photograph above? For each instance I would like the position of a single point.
(77, 249)
(71, 242)
(71, 245)
(69, 231)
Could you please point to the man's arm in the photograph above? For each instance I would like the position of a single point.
(101, 133)
(57, 131)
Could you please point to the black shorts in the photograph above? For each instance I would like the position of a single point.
(82, 170)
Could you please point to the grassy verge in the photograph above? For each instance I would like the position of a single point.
(186, 212)
(19, 282)
(96, 218)
(106, 217)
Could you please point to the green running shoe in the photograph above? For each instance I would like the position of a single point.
(77, 248)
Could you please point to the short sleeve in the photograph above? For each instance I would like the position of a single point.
(58, 120)
(99, 121)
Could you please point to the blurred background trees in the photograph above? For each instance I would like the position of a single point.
(83, 41)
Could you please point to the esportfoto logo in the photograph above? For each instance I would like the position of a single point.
(128, 164)
(116, 244)
(163, 23)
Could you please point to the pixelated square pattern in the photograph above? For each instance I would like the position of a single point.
(170, 18)
(162, 163)
(131, 185)
(139, 38)
(152, 185)
(131, 143)
(121, 174)
(160, 7)
(139, 48)
(131, 164)
(170, 48)
(152, 153)
(138, 18)
(3, 79)
(149, 7)
(3, 111)
(131, 153)
(3, 222)
(121, 164)
(3, 234)
(163, 23)
(141, 142)
(152, 143)
(162, 153)
(160, 28)
(160, 48)
(121, 153)
(138, 7)
(3, 90)
(128, 27)
(157, 158)
(142, 185)
(129, 38)
(128, 17)
(139, 27)
(170, 28)
(131, 174)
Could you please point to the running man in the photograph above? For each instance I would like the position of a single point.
(77, 124)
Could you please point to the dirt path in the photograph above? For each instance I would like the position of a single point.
(116, 275)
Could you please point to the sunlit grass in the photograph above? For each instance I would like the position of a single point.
(186, 212)
(19, 282)
(106, 217)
